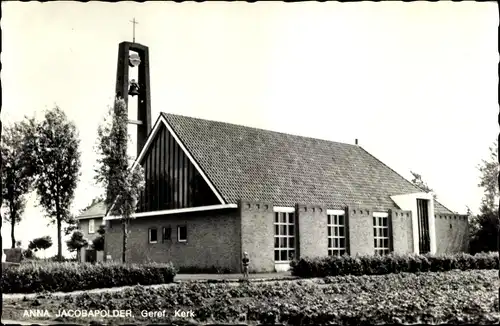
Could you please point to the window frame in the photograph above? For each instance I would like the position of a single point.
(164, 233)
(333, 233)
(281, 221)
(378, 233)
(92, 222)
(179, 233)
(149, 235)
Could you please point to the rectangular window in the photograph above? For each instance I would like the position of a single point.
(153, 235)
(337, 240)
(381, 238)
(182, 233)
(284, 236)
(91, 226)
(167, 234)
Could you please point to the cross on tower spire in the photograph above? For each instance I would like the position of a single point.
(134, 22)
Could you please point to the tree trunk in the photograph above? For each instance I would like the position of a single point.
(125, 238)
(498, 212)
(59, 240)
(12, 224)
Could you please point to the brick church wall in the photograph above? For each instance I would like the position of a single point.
(452, 233)
(257, 235)
(212, 240)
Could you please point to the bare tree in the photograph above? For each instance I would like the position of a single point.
(417, 181)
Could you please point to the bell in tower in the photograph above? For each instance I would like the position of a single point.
(134, 60)
(134, 88)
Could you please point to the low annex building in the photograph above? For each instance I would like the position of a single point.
(215, 190)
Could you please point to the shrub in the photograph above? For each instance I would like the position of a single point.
(77, 241)
(28, 254)
(63, 259)
(393, 263)
(41, 243)
(66, 277)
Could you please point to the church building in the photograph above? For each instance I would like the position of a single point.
(215, 190)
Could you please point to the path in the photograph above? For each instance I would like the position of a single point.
(233, 277)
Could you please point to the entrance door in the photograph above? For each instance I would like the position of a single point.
(90, 256)
(423, 226)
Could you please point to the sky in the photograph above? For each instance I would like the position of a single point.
(415, 82)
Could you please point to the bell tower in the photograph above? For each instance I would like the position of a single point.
(132, 55)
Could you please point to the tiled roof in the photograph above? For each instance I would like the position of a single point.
(98, 209)
(260, 165)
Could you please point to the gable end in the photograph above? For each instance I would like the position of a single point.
(173, 178)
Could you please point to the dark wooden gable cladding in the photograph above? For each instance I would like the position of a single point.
(172, 181)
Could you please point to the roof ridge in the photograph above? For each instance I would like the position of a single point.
(259, 129)
(403, 178)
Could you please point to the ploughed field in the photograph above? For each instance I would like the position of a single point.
(457, 297)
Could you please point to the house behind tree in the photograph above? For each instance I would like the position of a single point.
(88, 223)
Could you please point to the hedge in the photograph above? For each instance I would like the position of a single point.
(67, 277)
(393, 263)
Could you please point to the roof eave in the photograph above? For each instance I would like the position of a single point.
(86, 217)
